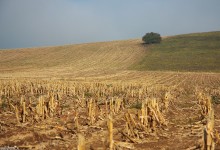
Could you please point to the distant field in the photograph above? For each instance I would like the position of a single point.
(190, 52)
(198, 52)
(81, 59)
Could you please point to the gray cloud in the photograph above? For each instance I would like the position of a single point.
(31, 23)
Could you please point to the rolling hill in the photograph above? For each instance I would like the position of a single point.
(190, 52)
(86, 58)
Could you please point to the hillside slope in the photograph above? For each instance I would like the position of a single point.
(103, 56)
(189, 52)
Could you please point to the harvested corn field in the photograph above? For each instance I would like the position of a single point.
(87, 97)
(111, 114)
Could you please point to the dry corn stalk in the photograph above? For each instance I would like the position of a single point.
(51, 105)
(76, 121)
(207, 111)
(144, 113)
(46, 112)
(21, 100)
(205, 104)
(40, 107)
(81, 142)
(129, 125)
(208, 136)
(17, 114)
(91, 111)
(118, 104)
(111, 105)
(151, 114)
(140, 92)
(23, 112)
(147, 120)
(110, 131)
(217, 136)
(132, 93)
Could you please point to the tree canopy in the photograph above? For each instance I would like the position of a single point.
(151, 38)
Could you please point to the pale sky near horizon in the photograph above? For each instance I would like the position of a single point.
(33, 23)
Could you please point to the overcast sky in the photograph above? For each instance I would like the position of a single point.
(32, 23)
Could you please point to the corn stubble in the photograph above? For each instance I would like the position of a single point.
(37, 101)
(210, 135)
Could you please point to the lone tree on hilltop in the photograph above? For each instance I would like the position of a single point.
(151, 38)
